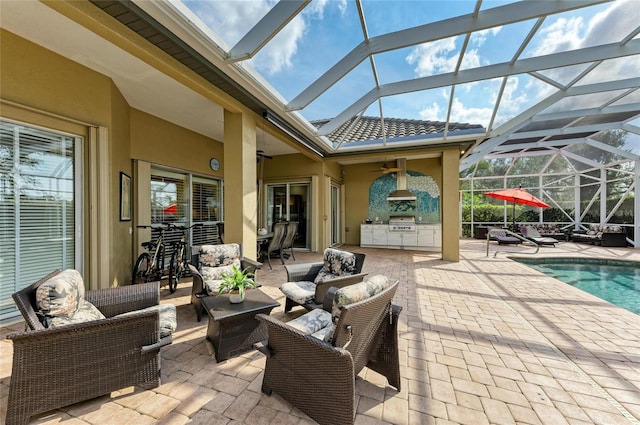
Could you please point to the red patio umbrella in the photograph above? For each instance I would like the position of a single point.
(518, 196)
(171, 209)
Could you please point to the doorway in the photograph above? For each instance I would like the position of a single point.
(290, 202)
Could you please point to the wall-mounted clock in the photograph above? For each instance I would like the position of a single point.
(214, 164)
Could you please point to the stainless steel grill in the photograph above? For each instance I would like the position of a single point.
(402, 223)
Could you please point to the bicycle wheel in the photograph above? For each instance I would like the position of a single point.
(141, 269)
(176, 268)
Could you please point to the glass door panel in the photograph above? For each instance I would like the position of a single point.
(299, 211)
(290, 202)
(336, 238)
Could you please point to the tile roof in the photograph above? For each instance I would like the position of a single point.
(370, 128)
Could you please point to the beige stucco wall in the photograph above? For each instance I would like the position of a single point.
(161, 142)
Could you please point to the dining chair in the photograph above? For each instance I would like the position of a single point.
(287, 242)
(279, 231)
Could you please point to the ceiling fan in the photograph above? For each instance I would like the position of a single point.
(260, 154)
(386, 170)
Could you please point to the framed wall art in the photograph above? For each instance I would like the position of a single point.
(125, 197)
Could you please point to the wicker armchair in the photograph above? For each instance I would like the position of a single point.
(208, 262)
(318, 376)
(58, 366)
(303, 286)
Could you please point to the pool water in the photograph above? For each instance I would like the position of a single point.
(618, 283)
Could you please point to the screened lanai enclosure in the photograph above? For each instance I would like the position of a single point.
(591, 182)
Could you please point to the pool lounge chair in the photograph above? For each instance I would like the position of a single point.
(533, 235)
(502, 238)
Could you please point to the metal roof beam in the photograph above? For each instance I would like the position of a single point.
(490, 18)
(567, 130)
(611, 149)
(577, 113)
(534, 145)
(267, 28)
(555, 60)
(524, 118)
(582, 159)
(631, 128)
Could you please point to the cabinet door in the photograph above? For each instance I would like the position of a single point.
(425, 236)
(410, 239)
(395, 238)
(437, 236)
(380, 235)
(366, 234)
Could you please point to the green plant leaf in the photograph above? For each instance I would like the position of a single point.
(237, 280)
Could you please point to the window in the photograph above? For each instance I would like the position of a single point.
(39, 207)
(172, 201)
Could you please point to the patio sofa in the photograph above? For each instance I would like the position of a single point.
(549, 230)
(80, 345)
(603, 235)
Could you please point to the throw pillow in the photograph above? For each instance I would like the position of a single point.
(336, 263)
(86, 313)
(60, 296)
(370, 286)
(219, 255)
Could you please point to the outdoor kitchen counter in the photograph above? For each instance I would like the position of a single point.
(426, 237)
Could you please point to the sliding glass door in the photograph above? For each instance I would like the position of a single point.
(40, 207)
(290, 202)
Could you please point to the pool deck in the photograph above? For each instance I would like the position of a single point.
(483, 341)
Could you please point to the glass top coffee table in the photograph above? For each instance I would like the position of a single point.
(233, 328)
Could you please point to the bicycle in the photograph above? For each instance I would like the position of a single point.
(179, 258)
(150, 265)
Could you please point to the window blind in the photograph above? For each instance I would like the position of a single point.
(37, 207)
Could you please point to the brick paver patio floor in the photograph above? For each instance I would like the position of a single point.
(483, 341)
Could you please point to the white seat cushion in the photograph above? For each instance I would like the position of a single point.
(301, 292)
(167, 317)
(312, 322)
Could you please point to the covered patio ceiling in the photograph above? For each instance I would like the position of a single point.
(494, 78)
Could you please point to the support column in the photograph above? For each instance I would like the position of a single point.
(603, 195)
(240, 191)
(577, 211)
(636, 207)
(450, 205)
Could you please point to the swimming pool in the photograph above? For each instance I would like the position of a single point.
(615, 281)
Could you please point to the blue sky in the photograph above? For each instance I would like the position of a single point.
(327, 30)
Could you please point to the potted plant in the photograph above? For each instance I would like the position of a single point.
(236, 283)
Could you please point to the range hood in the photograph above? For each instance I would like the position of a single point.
(401, 193)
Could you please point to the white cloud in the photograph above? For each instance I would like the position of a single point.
(465, 114)
(432, 58)
(441, 56)
(479, 37)
(562, 35)
(431, 113)
(316, 8)
(231, 20)
(277, 54)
